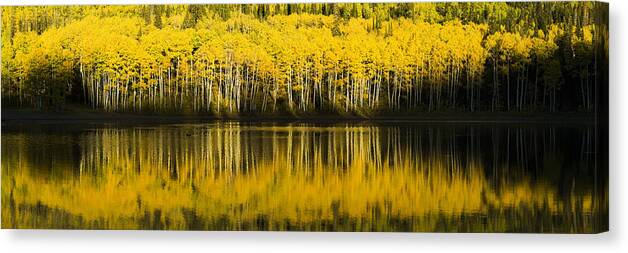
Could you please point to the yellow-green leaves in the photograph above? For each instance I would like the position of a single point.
(296, 58)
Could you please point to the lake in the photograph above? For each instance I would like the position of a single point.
(351, 176)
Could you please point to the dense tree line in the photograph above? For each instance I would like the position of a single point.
(359, 59)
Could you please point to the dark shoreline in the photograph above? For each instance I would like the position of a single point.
(21, 115)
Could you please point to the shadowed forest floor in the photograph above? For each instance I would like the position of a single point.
(83, 114)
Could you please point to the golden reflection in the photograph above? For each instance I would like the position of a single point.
(230, 176)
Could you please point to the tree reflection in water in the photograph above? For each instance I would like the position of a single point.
(312, 177)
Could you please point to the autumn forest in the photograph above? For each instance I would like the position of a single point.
(362, 59)
(375, 117)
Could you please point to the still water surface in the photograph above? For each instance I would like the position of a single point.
(304, 177)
